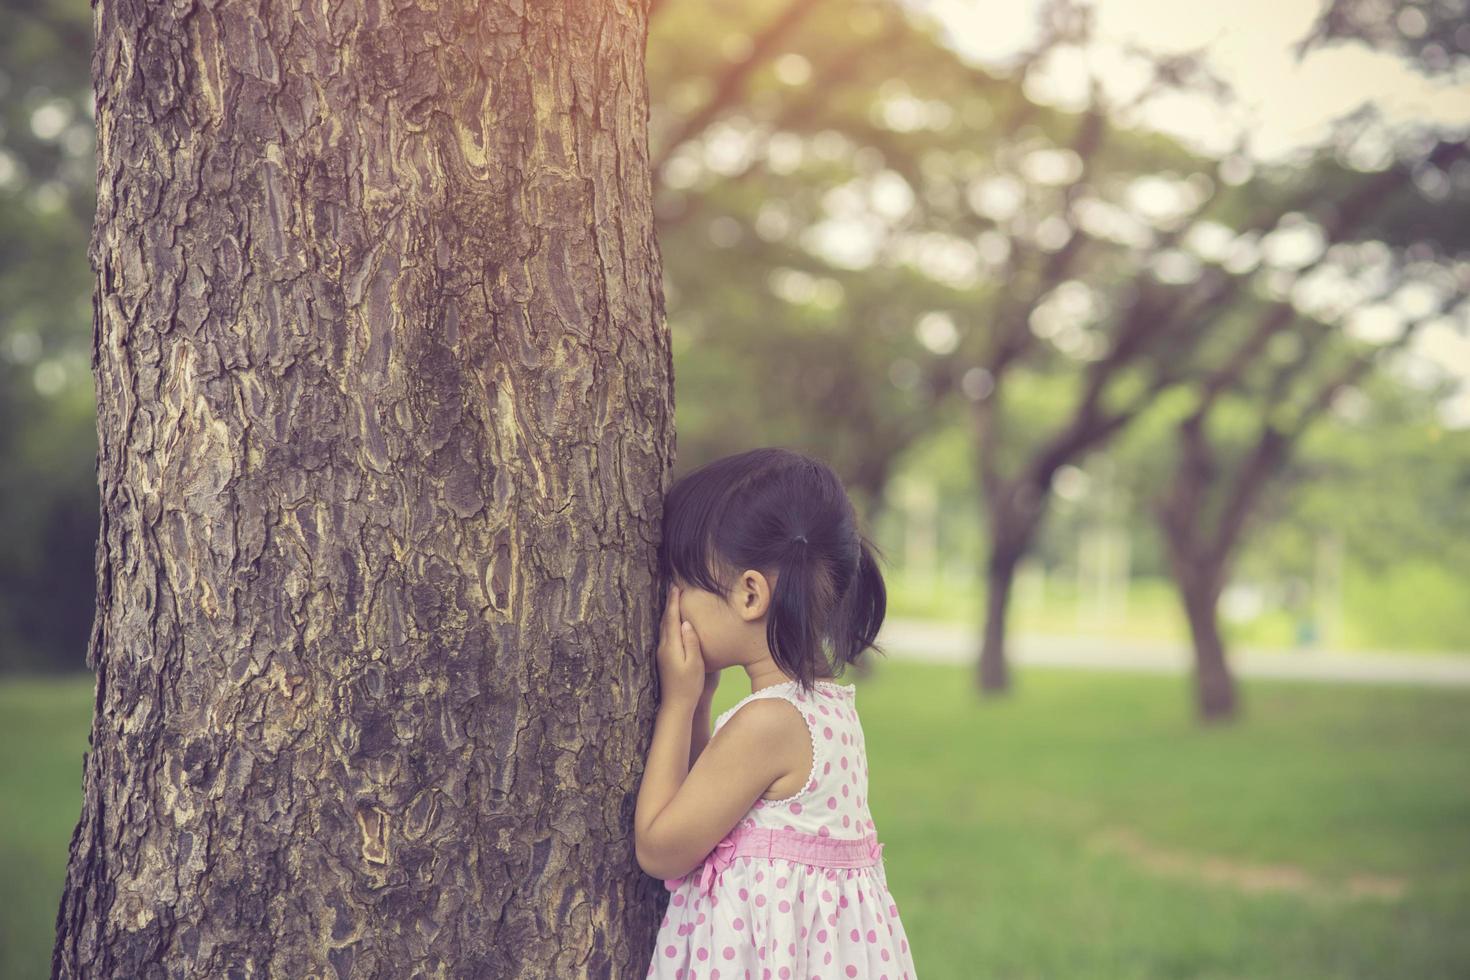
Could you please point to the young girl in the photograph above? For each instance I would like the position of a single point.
(764, 836)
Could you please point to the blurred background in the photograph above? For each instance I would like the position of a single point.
(1138, 331)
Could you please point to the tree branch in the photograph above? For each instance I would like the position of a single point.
(729, 84)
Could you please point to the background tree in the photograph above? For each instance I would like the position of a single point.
(1433, 33)
(1206, 507)
(384, 407)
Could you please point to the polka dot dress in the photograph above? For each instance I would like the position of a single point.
(773, 918)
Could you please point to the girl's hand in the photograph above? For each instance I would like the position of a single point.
(681, 673)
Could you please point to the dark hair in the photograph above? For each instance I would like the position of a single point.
(780, 511)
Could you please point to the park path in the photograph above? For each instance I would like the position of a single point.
(908, 639)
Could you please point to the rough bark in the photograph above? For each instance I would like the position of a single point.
(385, 415)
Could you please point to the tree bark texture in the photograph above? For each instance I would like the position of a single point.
(385, 415)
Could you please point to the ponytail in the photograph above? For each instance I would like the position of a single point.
(802, 589)
(864, 604)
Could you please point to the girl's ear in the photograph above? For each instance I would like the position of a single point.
(754, 594)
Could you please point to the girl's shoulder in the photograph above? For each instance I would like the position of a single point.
(763, 693)
(791, 691)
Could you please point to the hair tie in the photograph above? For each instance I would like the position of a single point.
(801, 538)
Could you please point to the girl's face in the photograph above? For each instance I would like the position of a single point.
(731, 630)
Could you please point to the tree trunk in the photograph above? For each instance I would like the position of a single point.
(1000, 574)
(385, 418)
(1013, 512)
(1199, 540)
(1214, 684)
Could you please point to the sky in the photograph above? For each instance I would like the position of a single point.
(1282, 106)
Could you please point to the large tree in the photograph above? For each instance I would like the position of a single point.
(385, 419)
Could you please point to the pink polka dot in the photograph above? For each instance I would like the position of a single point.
(729, 952)
(781, 882)
(856, 935)
(785, 906)
(827, 731)
(904, 945)
(872, 935)
(827, 958)
(702, 953)
(796, 808)
(851, 970)
(826, 768)
(678, 899)
(831, 802)
(670, 952)
(744, 895)
(739, 923)
(823, 832)
(821, 935)
(884, 954)
(844, 762)
(760, 901)
(784, 973)
(846, 820)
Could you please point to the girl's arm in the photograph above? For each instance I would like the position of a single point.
(699, 733)
(662, 774)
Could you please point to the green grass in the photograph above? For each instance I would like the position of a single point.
(1414, 608)
(1152, 612)
(43, 732)
(998, 816)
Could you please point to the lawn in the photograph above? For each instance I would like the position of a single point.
(1083, 827)
(1410, 608)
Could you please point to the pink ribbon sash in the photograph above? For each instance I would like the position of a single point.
(813, 849)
